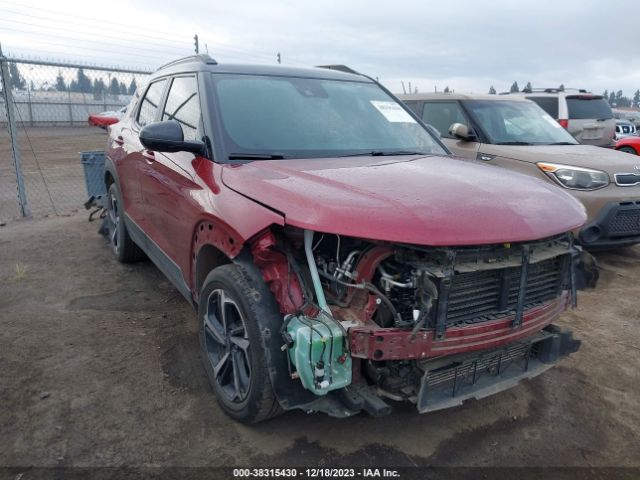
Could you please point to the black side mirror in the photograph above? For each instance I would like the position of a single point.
(168, 137)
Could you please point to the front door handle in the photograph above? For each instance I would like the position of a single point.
(484, 157)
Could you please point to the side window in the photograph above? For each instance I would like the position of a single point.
(414, 106)
(150, 103)
(183, 105)
(442, 115)
(548, 104)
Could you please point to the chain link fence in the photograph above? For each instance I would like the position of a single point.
(45, 110)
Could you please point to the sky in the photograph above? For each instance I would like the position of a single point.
(465, 45)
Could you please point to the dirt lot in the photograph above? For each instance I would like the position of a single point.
(53, 175)
(99, 366)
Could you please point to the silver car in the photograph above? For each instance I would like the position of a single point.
(624, 128)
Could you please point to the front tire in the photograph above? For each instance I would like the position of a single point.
(231, 344)
(123, 246)
(628, 150)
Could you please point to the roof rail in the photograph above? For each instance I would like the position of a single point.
(553, 90)
(339, 68)
(202, 58)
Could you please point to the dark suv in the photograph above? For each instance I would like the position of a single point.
(335, 253)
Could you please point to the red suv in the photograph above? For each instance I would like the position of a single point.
(337, 256)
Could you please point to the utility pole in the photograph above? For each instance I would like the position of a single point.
(279, 58)
(195, 42)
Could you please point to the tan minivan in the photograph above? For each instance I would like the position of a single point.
(515, 133)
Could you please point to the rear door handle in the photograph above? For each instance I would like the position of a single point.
(119, 140)
(149, 156)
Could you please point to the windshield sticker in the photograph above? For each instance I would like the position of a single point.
(551, 120)
(393, 112)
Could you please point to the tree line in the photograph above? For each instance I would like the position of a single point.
(615, 98)
(81, 84)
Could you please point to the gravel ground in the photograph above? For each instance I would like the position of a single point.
(99, 366)
(53, 175)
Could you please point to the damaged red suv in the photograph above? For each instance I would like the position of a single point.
(338, 257)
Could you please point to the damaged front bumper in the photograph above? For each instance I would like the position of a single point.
(450, 381)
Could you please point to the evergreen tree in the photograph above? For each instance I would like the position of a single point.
(527, 87)
(605, 94)
(15, 78)
(514, 88)
(61, 86)
(99, 88)
(636, 98)
(132, 87)
(492, 91)
(612, 98)
(123, 88)
(561, 87)
(114, 87)
(83, 82)
(446, 89)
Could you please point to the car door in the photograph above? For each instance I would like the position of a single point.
(168, 182)
(441, 115)
(134, 162)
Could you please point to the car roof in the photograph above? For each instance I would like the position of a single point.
(458, 96)
(204, 63)
(568, 93)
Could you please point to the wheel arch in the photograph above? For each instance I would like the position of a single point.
(214, 243)
(110, 173)
(206, 259)
(631, 147)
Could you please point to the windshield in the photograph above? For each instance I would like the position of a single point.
(289, 117)
(517, 123)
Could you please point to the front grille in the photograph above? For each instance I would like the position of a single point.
(492, 363)
(625, 222)
(485, 295)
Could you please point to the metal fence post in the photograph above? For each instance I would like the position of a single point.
(13, 133)
(30, 107)
(70, 109)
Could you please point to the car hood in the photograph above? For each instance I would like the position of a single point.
(589, 156)
(421, 200)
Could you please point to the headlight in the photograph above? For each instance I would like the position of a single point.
(575, 178)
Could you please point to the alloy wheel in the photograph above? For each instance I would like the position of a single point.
(113, 214)
(227, 346)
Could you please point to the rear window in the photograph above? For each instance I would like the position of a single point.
(588, 108)
(548, 104)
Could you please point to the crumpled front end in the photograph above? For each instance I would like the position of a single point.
(368, 321)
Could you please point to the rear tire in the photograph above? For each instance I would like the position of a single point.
(124, 248)
(231, 343)
(628, 150)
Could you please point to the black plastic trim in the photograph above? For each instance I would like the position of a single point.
(164, 263)
(602, 220)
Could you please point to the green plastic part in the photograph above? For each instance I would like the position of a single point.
(319, 354)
